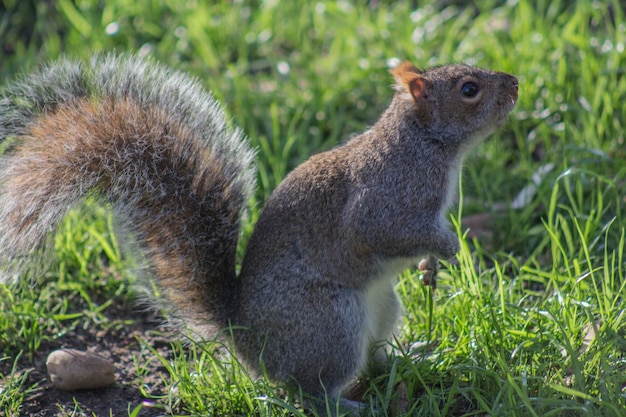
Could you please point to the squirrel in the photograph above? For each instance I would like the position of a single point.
(315, 290)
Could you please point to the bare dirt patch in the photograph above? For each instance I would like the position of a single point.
(117, 341)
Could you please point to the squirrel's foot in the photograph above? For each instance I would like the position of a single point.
(350, 407)
(429, 267)
(335, 408)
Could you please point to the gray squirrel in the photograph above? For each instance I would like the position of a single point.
(316, 286)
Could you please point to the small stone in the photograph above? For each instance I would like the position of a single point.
(72, 369)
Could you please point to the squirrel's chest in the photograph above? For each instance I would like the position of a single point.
(452, 184)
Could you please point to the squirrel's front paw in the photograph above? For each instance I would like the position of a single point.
(430, 268)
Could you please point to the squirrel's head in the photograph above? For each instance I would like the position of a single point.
(458, 101)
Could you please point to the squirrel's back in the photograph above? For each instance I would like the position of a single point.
(149, 140)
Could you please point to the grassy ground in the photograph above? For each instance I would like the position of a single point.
(529, 320)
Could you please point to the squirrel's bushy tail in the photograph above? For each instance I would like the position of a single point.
(154, 144)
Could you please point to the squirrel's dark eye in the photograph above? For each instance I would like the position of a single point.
(469, 89)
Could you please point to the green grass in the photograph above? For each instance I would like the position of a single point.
(529, 322)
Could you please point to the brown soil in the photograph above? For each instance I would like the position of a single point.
(118, 342)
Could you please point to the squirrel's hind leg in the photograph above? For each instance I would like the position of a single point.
(320, 357)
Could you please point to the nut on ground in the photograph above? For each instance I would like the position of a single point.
(72, 369)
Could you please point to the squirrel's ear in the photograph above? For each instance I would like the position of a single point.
(403, 73)
(408, 79)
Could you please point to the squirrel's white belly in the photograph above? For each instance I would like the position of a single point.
(381, 304)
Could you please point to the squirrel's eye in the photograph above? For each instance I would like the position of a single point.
(469, 89)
